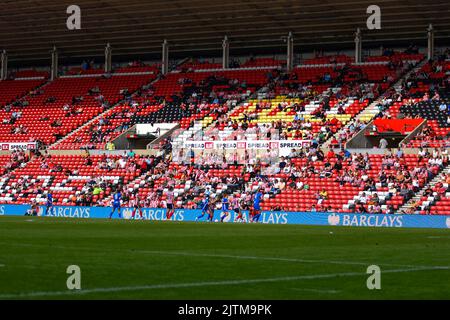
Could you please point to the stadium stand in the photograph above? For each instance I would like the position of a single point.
(68, 177)
(324, 100)
(433, 198)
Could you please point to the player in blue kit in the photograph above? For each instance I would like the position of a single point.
(257, 206)
(49, 203)
(117, 197)
(225, 209)
(204, 206)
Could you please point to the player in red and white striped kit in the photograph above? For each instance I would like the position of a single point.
(169, 203)
(236, 206)
(135, 201)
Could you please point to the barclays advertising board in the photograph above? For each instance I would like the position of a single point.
(267, 217)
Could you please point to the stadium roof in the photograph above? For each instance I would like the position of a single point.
(29, 28)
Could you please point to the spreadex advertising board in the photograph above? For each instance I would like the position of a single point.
(247, 144)
(267, 217)
(284, 147)
(12, 146)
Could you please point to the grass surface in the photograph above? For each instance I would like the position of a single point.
(166, 260)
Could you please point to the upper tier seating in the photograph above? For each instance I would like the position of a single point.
(198, 65)
(396, 56)
(344, 76)
(179, 97)
(292, 119)
(11, 90)
(63, 105)
(30, 73)
(329, 59)
(263, 62)
(137, 66)
(174, 84)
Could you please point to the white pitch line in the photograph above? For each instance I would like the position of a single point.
(356, 263)
(262, 258)
(437, 237)
(198, 284)
(317, 290)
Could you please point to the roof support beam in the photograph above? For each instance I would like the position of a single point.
(290, 52)
(108, 58)
(225, 53)
(4, 61)
(54, 67)
(358, 45)
(165, 57)
(430, 49)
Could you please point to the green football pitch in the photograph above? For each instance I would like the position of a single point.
(171, 260)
